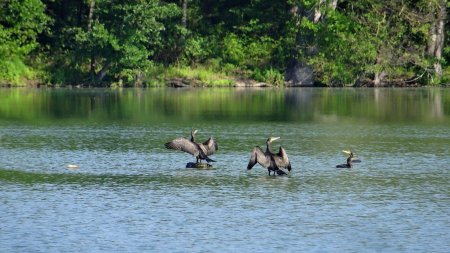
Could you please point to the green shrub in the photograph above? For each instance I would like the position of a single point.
(13, 71)
(195, 51)
(270, 76)
(274, 77)
(259, 53)
(233, 49)
(214, 64)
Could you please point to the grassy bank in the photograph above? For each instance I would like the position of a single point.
(198, 76)
(211, 75)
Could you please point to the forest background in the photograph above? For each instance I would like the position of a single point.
(220, 42)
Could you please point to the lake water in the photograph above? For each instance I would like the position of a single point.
(130, 194)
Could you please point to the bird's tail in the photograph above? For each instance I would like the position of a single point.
(209, 159)
(168, 145)
(280, 172)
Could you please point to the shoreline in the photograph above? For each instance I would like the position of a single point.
(179, 83)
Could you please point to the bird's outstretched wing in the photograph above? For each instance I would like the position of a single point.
(210, 146)
(258, 156)
(183, 144)
(282, 160)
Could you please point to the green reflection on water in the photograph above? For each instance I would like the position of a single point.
(45, 106)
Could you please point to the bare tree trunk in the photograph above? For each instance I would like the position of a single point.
(440, 31)
(437, 31)
(91, 15)
(102, 73)
(379, 76)
(184, 17)
(294, 12)
(378, 79)
(298, 72)
(318, 12)
(80, 13)
(432, 41)
(89, 29)
(333, 4)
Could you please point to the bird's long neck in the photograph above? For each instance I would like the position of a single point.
(349, 161)
(192, 137)
(268, 147)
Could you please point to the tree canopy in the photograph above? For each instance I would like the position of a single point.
(98, 42)
(20, 24)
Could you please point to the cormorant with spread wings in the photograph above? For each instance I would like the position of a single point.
(201, 151)
(273, 162)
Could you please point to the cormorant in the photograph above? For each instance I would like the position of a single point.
(201, 151)
(350, 160)
(273, 162)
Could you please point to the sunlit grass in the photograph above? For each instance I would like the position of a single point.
(196, 76)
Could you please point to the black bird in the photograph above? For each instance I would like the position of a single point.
(350, 160)
(273, 162)
(201, 151)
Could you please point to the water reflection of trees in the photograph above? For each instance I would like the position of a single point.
(409, 104)
(292, 104)
(389, 105)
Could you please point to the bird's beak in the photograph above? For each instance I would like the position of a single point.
(195, 131)
(347, 152)
(275, 138)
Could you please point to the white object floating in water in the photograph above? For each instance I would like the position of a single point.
(72, 167)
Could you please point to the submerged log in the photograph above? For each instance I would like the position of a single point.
(198, 165)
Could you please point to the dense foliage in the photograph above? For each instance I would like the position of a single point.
(20, 24)
(102, 42)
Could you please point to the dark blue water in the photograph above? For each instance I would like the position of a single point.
(129, 194)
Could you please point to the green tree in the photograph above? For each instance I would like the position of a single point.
(340, 42)
(438, 14)
(21, 21)
(112, 39)
(367, 40)
(446, 52)
(241, 36)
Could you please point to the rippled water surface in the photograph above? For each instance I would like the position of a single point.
(130, 194)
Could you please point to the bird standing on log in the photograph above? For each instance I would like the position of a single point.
(201, 151)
